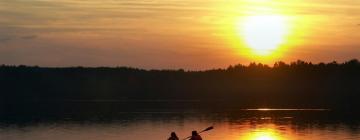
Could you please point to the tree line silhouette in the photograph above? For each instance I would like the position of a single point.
(299, 84)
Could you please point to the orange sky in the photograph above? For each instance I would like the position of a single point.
(171, 34)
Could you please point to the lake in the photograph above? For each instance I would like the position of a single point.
(156, 125)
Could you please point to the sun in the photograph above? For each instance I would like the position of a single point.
(263, 34)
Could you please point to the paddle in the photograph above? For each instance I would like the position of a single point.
(207, 129)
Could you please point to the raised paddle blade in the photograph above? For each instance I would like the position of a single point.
(209, 128)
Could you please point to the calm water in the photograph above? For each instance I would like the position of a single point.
(155, 125)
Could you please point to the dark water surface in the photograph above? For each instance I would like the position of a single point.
(283, 124)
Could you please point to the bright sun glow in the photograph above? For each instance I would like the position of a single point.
(263, 34)
(263, 135)
(267, 135)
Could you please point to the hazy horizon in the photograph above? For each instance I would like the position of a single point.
(205, 69)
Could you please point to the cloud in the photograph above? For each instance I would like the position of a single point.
(28, 37)
(5, 39)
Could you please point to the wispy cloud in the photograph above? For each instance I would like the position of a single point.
(5, 39)
(11, 33)
(28, 37)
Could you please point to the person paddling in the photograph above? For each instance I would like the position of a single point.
(173, 136)
(195, 136)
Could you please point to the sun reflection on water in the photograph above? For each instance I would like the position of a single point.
(264, 136)
(265, 133)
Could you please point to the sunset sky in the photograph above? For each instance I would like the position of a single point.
(172, 34)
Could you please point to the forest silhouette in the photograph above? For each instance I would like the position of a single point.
(300, 84)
